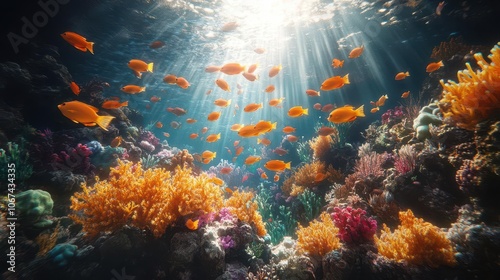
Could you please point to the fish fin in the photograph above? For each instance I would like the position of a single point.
(125, 103)
(103, 121)
(81, 48)
(74, 121)
(259, 141)
(287, 165)
(142, 89)
(90, 47)
(360, 112)
(305, 111)
(89, 124)
(273, 126)
(346, 79)
(150, 67)
(407, 74)
(229, 102)
(440, 63)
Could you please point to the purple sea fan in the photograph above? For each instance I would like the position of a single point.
(354, 226)
(227, 242)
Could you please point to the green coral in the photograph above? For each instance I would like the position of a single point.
(428, 115)
(16, 155)
(33, 206)
(312, 204)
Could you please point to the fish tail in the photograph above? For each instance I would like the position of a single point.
(215, 154)
(229, 102)
(258, 141)
(407, 74)
(287, 165)
(125, 103)
(103, 121)
(150, 67)
(90, 47)
(440, 63)
(218, 135)
(305, 111)
(274, 125)
(142, 89)
(360, 112)
(346, 79)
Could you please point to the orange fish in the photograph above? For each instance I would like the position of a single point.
(297, 111)
(232, 68)
(433, 66)
(159, 125)
(236, 127)
(264, 126)
(193, 135)
(116, 142)
(335, 82)
(166, 134)
(239, 150)
(226, 170)
(288, 129)
(228, 190)
(206, 160)
(280, 151)
(157, 44)
(292, 138)
(236, 143)
(250, 76)
(213, 116)
(213, 138)
(336, 63)
(374, 110)
(212, 69)
(276, 101)
(223, 85)
(276, 177)
(274, 71)
(319, 177)
(401, 75)
(327, 108)
(277, 165)
(182, 82)
(133, 89)
(439, 8)
(204, 130)
(229, 26)
(252, 107)
(192, 225)
(317, 106)
(78, 41)
(264, 176)
(264, 141)
(405, 94)
(208, 154)
(177, 111)
(326, 130)
(154, 99)
(312, 92)
(248, 131)
(208, 92)
(269, 89)
(222, 102)
(252, 68)
(381, 101)
(259, 50)
(356, 52)
(345, 114)
(113, 104)
(252, 159)
(85, 114)
(190, 121)
(74, 88)
(170, 79)
(139, 66)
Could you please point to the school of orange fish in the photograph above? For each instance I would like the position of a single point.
(85, 114)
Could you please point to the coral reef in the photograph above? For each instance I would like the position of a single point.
(476, 96)
(427, 115)
(354, 226)
(417, 242)
(319, 238)
(34, 206)
(241, 205)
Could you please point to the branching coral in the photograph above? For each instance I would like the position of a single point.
(353, 225)
(321, 146)
(241, 205)
(182, 159)
(417, 242)
(406, 159)
(151, 199)
(311, 175)
(319, 238)
(476, 96)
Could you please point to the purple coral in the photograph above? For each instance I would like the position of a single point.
(226, 215)
(149, 137)
(393, 115)
(147, 146)
(354, 226)
(227, 242)
(76, 160)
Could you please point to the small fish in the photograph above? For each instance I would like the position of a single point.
(212, 69)
(190, 120)
(252, 107)
(113, 104)
(74, 88)
(280, 151)
(166, 134)
(133, 89)
(319, 177)
(327, 108)
(204, 130)
(226, 170)
(326, 130)
(276, 101)
(229, 190)
(193, 135)
(264, 141)
(232, 68)
(192, 225)
(174, 124)
(117, 141)
(275, 70)
(317, 106)
(276, 177)
(139, 66)
(288, 129)
(335, 82)
(440, 7)
(312, 92)
(157, 44)
(239, 150)
(213, 116)
(170, 79)
(213, 138)
(182, 82)
(221, 102)
(208, 92)
(85, 114)
(345, 114)
(252, 68)
(356, 52)
(252, 159)
(155, 99)
(401, 75)
(78, 41)
(277, 165)
(159, 124)
(297, 111)
(381, 101)
(250, 76)
(223, 85)
(229, 26)
(292, 138)
(433, 66)
(374, 110)
(236, 143)
(259, 50)
(336, 63)
(208, 154)
(245, 177)
(263, 175)
(177, 111)
(405, 94)
(269, 88)
(236, 127)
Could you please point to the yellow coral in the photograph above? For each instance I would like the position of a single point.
(321, 145)
(476, 96)
(305, 177)
(416, 242)
(150, 199)
(240, 204)
(319, 238)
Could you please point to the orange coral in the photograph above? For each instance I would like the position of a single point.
(150, 199)
(476, 96)
(182, 159)
(416, 242)
(319, 238)
(240, 204)
(321, 146)
(303, 177)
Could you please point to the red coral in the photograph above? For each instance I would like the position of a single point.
(354, 226)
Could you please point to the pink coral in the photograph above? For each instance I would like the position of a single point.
(353, 225)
